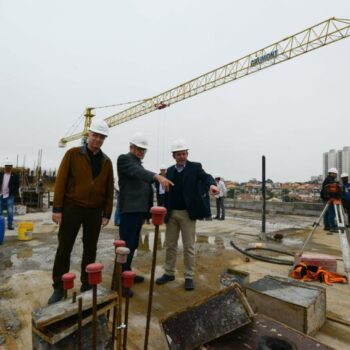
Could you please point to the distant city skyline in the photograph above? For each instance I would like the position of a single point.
(339, 159)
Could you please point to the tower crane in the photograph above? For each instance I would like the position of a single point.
(312, 38)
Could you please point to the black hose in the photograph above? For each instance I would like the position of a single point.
(270, 250)
(264, 258)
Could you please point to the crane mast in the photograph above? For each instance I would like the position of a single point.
(312, 38)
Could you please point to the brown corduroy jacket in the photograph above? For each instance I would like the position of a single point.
(75, 183)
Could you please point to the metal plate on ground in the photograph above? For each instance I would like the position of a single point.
(206, 320)
(249, 336)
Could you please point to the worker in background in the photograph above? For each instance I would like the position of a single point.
(159, 188)
(9, 185)
(134, 185)
(83, 197)
(184, 205)
(220, 205)
(329, 216)
(346, 195)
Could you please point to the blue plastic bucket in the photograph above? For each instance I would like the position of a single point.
(2, 229)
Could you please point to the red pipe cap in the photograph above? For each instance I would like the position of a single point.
(158, 210)
(119, 243)
(70, 276)
(128, 278)
(158, 214)
(95, 267)
(68, 280)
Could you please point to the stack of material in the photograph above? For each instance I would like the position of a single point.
(299, 305)
(56, 326)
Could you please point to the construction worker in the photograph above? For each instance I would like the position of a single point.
(220, 205)
(329, 217)
(346, 195)
(9, 185)
(83, 197)
(134, 185)
(159, 188)
(184, 205)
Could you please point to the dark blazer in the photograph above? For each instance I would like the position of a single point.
(13, 184)
(134, 184)
(193, 174)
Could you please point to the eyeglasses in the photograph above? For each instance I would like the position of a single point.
(140, 149)
(98, 136)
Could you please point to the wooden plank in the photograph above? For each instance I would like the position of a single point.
(207, 319)
(50, 314)
(56, 332)
(249, 336)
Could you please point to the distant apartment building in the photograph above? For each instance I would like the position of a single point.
(339, 159)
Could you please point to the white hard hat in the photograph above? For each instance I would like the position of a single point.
(7, 161)
(162, 166)
(344, 175)
(139, 140)
(333, 170)
(179, 145)
(99, 126)
(217, 176)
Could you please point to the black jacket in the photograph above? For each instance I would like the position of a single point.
(13, 184)
(193, 174)
(328, 180)
(134, 184)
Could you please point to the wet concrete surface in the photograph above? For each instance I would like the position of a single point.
(25, 272)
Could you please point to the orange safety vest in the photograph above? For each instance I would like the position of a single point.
(310, 273)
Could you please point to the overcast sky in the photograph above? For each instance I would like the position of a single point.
(58, 57)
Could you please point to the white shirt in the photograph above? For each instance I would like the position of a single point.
(5, 190)
(222, 189)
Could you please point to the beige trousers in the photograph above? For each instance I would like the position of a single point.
(180, 221)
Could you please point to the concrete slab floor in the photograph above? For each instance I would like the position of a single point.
(25, 273)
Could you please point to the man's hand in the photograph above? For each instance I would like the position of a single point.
(105, 222)
(164, 182)
(214, 190)
(57, 218)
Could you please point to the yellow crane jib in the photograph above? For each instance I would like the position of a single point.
(312, 38)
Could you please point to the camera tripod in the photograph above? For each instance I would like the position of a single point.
(344, 243)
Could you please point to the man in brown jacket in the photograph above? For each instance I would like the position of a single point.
(83, 197)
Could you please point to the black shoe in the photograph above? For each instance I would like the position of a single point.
(139, 279)
(326, 229)
(56, 296)
(334, 230)
(127, 292)
(85, 287)
(165, 279)
(222, 219)
(216, 218)
(11, 228)
(189, 285)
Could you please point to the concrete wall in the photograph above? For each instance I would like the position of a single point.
(294, 208)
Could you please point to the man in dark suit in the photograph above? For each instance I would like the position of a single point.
(185, 205)
(134, 185)
(9, 185)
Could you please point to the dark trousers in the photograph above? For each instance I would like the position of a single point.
(329, 218)
(73, 216)
(346, 206)
(161, 200)
(129, 231)
(220, 207)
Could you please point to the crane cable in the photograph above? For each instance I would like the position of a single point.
(121, 104)
(75, 125)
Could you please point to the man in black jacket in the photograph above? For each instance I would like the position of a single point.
(185, 205)
(329, 216)
(9, 185)
(134, 185)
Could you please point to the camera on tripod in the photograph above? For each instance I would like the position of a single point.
(333, 190)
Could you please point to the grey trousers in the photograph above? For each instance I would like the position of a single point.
(180, 221)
